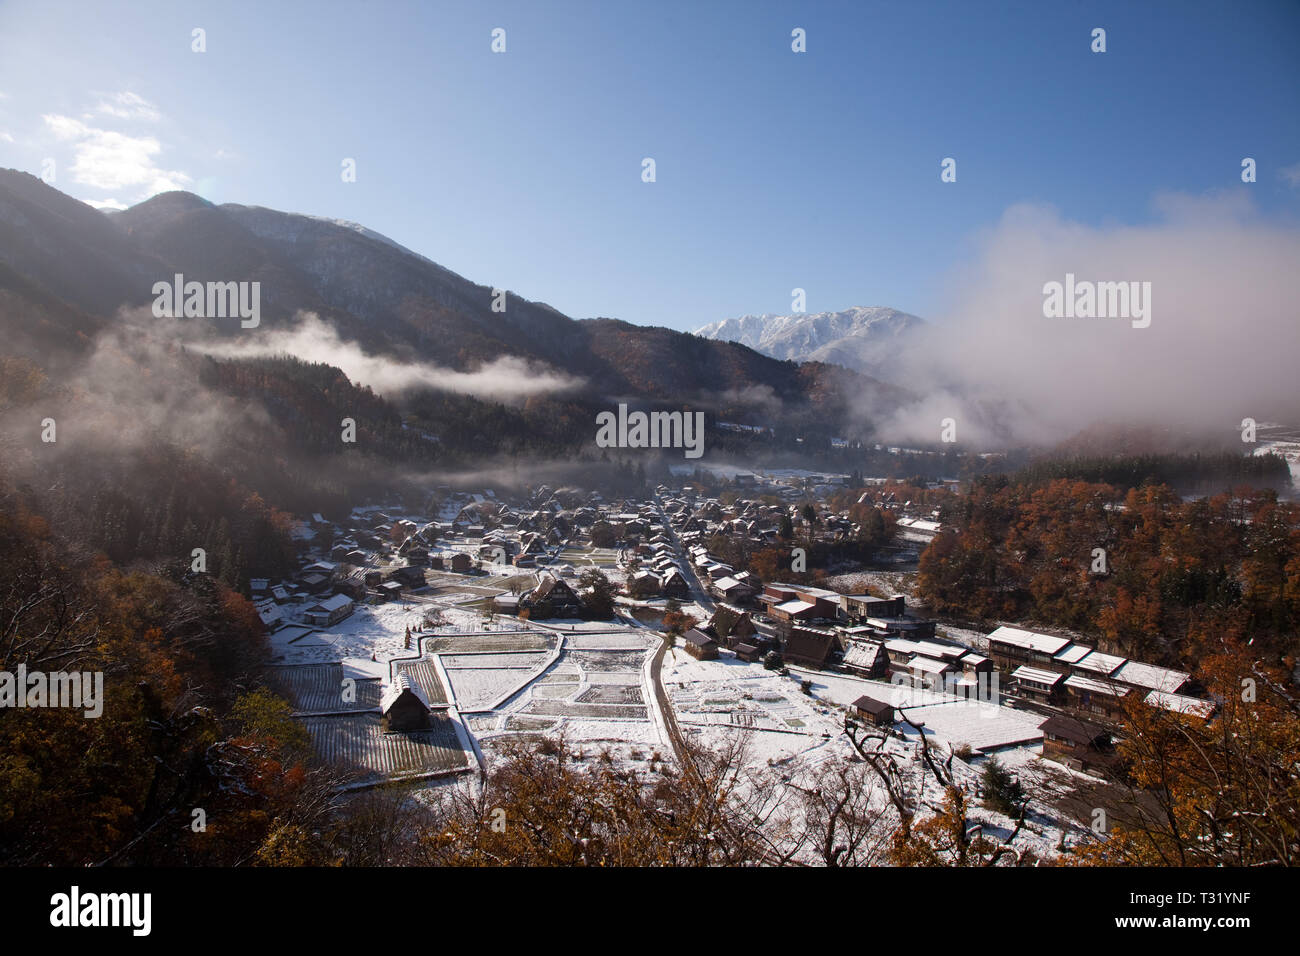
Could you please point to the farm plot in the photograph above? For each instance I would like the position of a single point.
(488, 641)
(606, 661)
(425, 674)
(319, 688)
(359, 742)
(611, 694)
(571, 708)
(590, 694)
(588, 557)
(607, 642)
(482, 680)
(529, 660)
(378, 630)
(715, 700)
(476, 689)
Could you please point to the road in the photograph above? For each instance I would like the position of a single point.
(665, 705)
(698, 594)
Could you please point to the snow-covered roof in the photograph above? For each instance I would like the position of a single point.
(335, 603)
(1073, 653)
(1100, 663)
(807, 590)
(1036, 675)
(1152, 677)
(396, 688)
(862, 654)
(1094, 686)
(940, 651)
(900, 646)
(929, 665)
(1181, 704)
(795, 607)
(1030, 640)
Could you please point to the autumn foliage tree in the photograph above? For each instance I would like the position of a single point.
(1223, 792)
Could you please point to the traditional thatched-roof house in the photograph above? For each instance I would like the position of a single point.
(404, 705)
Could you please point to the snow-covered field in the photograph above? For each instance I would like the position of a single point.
(716, 700)
(595, 691)
(378, 629)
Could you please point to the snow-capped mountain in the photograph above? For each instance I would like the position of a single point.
(861, 338)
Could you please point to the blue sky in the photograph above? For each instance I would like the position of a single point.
(775, 170)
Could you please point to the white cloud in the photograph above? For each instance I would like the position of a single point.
(5, 137)
(127, 106)
(1291, 174)
(104, 203)
(106, 159)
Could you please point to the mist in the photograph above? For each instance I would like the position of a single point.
(1223, 342)
(313, 340)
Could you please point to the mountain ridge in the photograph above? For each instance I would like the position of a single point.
(391, 301)
(863, 338)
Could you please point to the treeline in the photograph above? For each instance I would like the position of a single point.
(1191, 472)
(309, 401)
(1159, 578)
(241, 537)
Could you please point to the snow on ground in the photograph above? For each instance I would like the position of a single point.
(881, 582)
(954, 720)
(593, 690)
(378, 629)
(715, 700)
(964, 635)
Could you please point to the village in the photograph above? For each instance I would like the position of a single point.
(412, 647)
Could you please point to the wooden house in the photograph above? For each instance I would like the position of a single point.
(553, 597)
(1038, 684)
(700, 645)
(1010, 647)
(674, 584)
(1078, 744)
(329, 611)
(875, 712)
(732, 626)
(810, 646)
